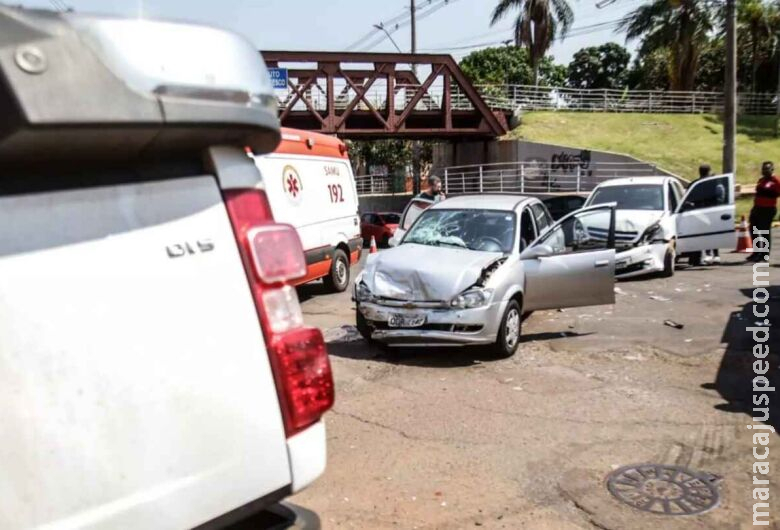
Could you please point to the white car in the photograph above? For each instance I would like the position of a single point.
(155, 371)
(469, 267)
(659, 221)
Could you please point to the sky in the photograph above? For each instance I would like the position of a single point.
(324, 25)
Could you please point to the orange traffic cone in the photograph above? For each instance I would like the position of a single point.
(744, 242)
(372, 248)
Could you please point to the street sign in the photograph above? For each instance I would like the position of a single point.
(278, 77)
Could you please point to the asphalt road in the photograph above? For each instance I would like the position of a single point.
(448, 438)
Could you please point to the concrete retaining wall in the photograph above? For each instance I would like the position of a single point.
(490, 152)
(383, 203)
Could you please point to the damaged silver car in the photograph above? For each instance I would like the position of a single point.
(470, 267)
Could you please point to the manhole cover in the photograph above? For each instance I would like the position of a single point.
(665, 490)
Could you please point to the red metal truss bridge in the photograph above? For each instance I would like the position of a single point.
(379, 95)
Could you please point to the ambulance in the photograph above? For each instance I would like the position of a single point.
(310, 185)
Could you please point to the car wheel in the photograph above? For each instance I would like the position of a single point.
(694, 260)
(362, 326)
(385, 241)
(670, 258)
(338, 279)
(509, 333)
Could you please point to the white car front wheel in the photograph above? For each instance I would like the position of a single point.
(670, 258)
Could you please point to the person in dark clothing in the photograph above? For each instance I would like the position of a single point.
(433, 193)
(764, 209)
(713, 255)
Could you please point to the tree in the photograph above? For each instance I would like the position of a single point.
(394, 155)
(509, 65)
(650, 71)
(712, 66)
(537, 25)
(604, 66)
(682, 27)
(759, 22)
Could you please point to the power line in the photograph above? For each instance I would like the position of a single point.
(390, 26)
(575, 32)
(433, 7)
(589, 14)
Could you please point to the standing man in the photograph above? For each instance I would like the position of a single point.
(764, 208)
(711, 256)
(433, 193)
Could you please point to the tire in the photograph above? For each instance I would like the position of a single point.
(694, 260)
(508, 340)
(385, 241)
(362, 326)
(337, 280)
(670, 258)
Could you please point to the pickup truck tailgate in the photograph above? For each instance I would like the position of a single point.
(135, 388)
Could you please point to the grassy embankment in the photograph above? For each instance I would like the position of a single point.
(675, 142)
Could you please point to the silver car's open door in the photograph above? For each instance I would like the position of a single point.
(573, 263)
(705, 216)
(412, 211)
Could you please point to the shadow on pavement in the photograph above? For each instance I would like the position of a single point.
(432, 357)
(308, 291)
(551, 335)
(734, 380)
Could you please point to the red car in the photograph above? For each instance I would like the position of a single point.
(380, 225)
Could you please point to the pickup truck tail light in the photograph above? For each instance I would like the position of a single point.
(272, 255)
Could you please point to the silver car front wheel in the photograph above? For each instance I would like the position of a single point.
(509, 332)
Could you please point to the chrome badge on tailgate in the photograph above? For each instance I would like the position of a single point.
(200, 246)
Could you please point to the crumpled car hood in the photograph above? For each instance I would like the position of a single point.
(635, 220)
(424, 273)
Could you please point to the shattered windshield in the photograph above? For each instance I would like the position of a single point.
(485, 230)
(632, 197)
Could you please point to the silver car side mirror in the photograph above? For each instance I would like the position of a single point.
(539, 251)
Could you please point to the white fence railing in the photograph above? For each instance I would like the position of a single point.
(539, 177)
(521, 177)
(526, 97)
(374, 184)
(511, 97)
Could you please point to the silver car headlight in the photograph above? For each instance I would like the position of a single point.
(363, 293)
(472, 298)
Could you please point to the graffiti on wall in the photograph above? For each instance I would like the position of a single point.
(569, 163)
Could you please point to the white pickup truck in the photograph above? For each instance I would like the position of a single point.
(155, 371)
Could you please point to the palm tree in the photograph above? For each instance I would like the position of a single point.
(537, 25)
(682, 27)
(759, 20)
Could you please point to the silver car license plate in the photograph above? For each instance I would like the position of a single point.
(406, 321)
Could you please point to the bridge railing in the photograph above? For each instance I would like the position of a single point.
(525, 97)
(521, 177)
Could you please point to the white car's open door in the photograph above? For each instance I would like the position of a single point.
(705, 216)
(573, 263)
(410, 215)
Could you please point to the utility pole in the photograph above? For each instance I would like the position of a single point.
(414, 27)
(730, 107)
(777, 109)
(415, 144)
